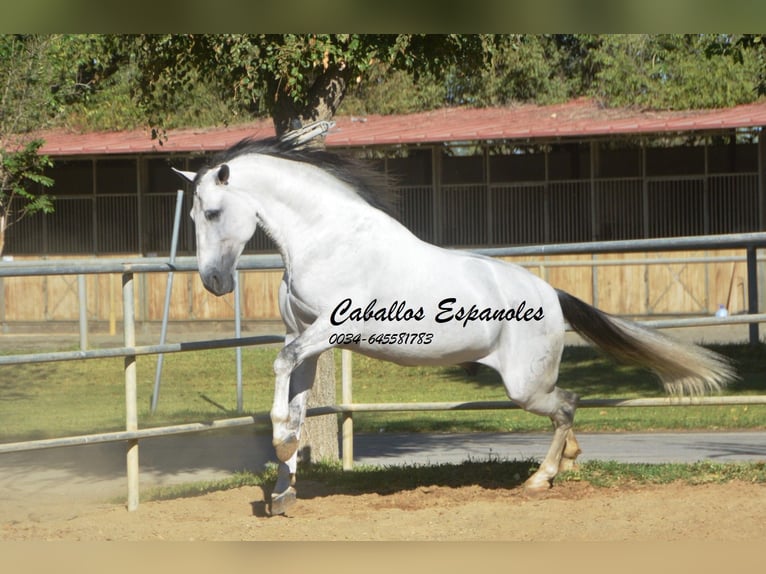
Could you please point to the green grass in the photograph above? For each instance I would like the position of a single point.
(80, 397)
(583, 371)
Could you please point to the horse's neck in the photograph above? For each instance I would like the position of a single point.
(306, 212)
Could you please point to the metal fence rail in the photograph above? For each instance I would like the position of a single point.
(128, 267)
(135, 351)
(120, 436)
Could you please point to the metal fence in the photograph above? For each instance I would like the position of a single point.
(570, 211)
(492, 211)
(129, 268)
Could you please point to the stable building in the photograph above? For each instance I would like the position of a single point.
(466, 178)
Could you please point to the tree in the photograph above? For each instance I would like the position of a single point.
(521, 68)
(296, 79)
(21, 178)
(25, 104)
(46, 80)
(739, 48)
(42, 77)
(665, 71)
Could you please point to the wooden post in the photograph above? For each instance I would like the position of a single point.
(348, 418)
(319, 437)
(131, 395)
(82, 295)
(112, 312)
(752, 291)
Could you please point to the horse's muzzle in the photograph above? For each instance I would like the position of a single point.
(218, 283)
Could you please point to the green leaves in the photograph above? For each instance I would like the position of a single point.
(21, 178)
(91, 81)
(673, 71)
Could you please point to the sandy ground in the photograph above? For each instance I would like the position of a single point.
(569, 512)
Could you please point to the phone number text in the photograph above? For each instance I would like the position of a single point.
(381, 339)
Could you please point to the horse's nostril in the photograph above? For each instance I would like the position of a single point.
(217, 283)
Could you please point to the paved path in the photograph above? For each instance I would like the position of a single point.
(623, 447)
(97, 472)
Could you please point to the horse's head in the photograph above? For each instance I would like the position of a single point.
(223, 225)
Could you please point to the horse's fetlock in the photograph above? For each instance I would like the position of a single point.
(279, 416)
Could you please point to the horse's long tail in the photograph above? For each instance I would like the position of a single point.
(682, 368)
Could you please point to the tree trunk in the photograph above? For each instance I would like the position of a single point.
(319, 439)
(323, 100)
(3, 227)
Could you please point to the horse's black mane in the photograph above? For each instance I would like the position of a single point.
(371, 184)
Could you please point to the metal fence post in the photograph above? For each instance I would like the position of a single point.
(168, 293)
(131, 393)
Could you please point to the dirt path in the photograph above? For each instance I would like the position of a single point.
(569, 512)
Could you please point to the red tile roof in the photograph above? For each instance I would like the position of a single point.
(578, 118)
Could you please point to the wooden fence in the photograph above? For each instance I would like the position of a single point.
(688, 282)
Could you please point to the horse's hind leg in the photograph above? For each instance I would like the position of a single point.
(560, 405)
(529, 376)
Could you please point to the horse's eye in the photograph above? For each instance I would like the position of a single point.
(212, 214)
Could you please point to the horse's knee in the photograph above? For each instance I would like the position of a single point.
(283, 365)
(287, 359)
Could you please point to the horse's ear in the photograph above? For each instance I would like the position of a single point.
(187, 175)
(223, 174)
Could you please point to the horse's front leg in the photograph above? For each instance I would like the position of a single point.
(301, 381)
(284, 430)
(284, 494)
(294, 367)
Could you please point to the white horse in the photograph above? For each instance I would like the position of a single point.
(357, 278)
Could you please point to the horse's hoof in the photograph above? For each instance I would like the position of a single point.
(282, 501)
(286, 447)
(536, 485)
